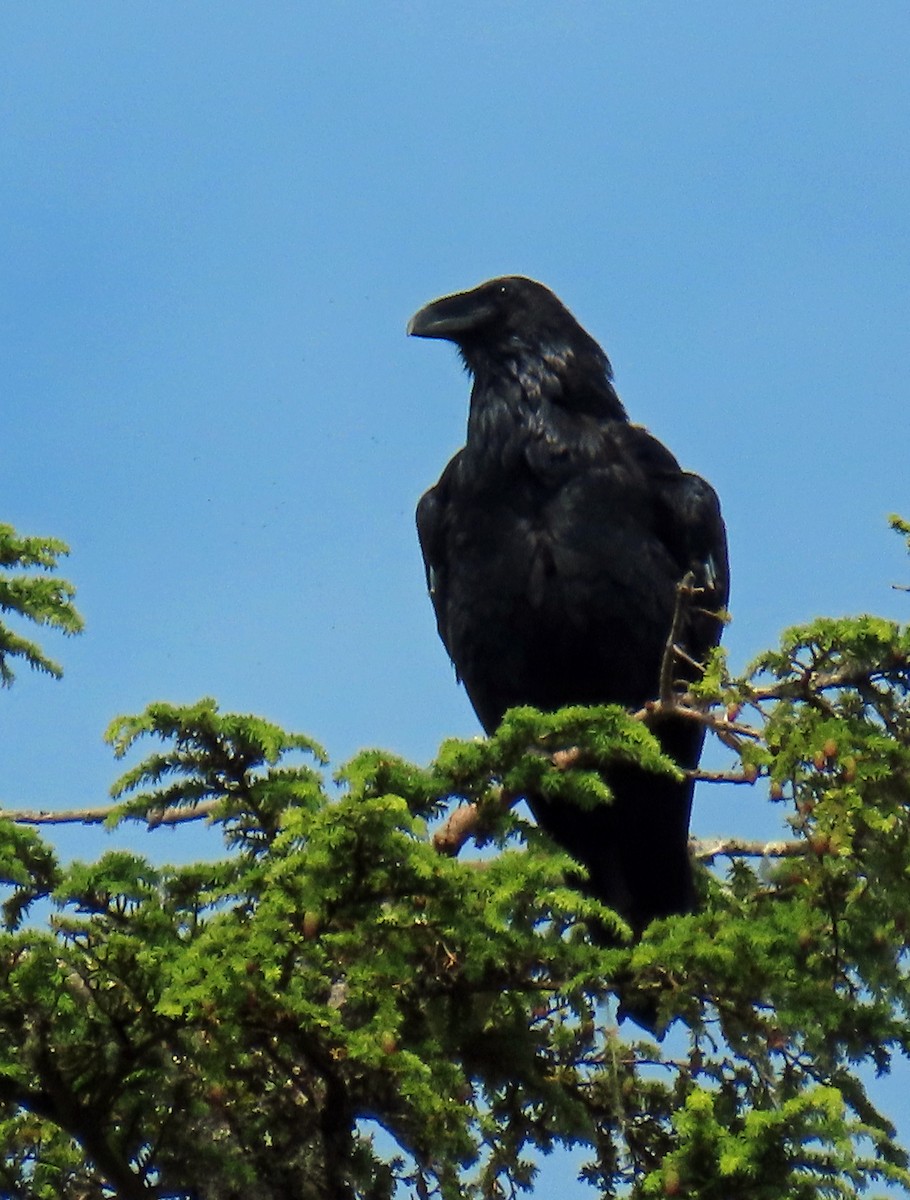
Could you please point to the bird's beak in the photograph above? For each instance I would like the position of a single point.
(450, 317)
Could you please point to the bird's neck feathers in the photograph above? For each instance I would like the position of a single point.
(546, 390)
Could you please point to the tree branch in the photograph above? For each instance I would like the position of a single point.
(723, 776)
(176, 815)
(707, 849)
(685, 706)
(684, 590)
(819, 681)
(458, 828)
(464, 822)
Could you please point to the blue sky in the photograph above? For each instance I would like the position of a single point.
(215, 222)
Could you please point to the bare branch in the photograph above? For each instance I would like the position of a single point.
(706, 849)
(457, 829)
(685, 706)
(464, 823)
(97, 816)
(722, 776)
(684, 591)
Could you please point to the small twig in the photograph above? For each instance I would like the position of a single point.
(721, 725)
(684, 592)
(564, 760)
(684, 706)
(687, 658)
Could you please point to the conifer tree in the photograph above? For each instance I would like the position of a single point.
(349, 1003)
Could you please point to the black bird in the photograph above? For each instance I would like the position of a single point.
(553, 545)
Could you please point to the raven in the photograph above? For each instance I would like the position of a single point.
(554, 544)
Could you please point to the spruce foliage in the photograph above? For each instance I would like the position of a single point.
(342, 1005)
(38, 597)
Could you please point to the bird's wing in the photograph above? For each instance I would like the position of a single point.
(431, 535)
(686, 512)
(701, 533)
(686, 518)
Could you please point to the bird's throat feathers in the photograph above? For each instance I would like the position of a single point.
(535, 389)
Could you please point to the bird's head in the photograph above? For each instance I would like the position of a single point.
(500, 315)
(516, 327)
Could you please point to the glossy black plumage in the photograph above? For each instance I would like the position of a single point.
(553, 544)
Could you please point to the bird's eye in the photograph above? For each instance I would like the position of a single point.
(503, 289)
